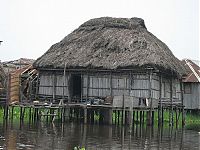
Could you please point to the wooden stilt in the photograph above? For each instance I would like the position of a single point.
(12, 111)
(152, 120)
(133, 117)
(118, 116)
(21, 113)
(85, 115)
(123, 113)
(137, 117)
(30, 114)
(140, 117)
(143, 117)
(92, 116)
(115, 112)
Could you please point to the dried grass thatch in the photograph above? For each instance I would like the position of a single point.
(110, 43)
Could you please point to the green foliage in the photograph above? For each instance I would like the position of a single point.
(79, 148)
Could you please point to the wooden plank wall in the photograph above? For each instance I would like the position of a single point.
(192, 100)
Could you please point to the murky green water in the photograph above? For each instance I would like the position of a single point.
(57, 136)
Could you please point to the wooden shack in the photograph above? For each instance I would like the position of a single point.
(192, 86)
(20, 84)
(108, 58)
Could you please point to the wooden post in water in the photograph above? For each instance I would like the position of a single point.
(12, 110)
(176, 117)
(130, 118)
(110, 116)
(53, 91)
(137, 117)
(92, 116)
(101, 117)
(160, 99)
(20, 112)
(183, 113)
(140, 117)
(85, 115)
(118, 116)
(64, 82)
(123, 113)
(152, 120)
(149, 114)
(133, 118)
(171, 104)
(30, 114)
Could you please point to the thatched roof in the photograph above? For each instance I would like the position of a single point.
(110, 43)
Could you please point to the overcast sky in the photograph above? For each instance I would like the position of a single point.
(29, 27)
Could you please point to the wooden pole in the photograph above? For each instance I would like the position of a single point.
(37, 86)
(130, 119)
(160, 99)
(111, 84)
(133, 117)
(149, 116)
(85, 115)
(81, 87)
(88, 83)
(118, 114)
(171, 99)
(183, 113)
(53, 88)
(123, 113)
(110, 116)
(64, 79)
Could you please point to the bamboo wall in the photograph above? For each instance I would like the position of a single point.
(54, 84)
(14, 88)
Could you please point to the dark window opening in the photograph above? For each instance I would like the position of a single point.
(76, 84)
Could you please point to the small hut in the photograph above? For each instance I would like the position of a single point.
(21, 83)
(192, 85)
(110, 58)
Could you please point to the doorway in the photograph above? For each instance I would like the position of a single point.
(76, 86)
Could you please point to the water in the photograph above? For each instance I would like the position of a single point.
(56, 136)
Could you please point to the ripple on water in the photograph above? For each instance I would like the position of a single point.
(21, 145)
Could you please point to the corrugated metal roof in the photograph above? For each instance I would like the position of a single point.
(193, 71)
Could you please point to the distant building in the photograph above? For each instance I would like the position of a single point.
(192, 85)
(16, 64)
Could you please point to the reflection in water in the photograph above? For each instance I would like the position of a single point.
(66, 136)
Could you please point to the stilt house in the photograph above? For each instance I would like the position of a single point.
(192, 86)
(110, 58)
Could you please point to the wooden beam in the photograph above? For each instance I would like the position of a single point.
(151, 100)
(171, 100)
(81, 87)
(88, 83)
(53, 87)
(182, 100)
(111, 84)
(160, 99)
(64, 79)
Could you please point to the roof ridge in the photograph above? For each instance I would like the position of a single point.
(193, 70)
